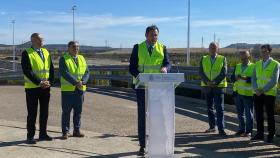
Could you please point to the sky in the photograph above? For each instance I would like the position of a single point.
(122, 23)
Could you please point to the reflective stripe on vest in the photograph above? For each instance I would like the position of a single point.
(149, 63)
(264, 75)
(213, 70)
(39, 67)
(76, 71)
(241, 86)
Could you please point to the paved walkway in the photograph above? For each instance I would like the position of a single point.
(109, 122)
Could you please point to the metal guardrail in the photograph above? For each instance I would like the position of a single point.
(112, 72)
(7, 66)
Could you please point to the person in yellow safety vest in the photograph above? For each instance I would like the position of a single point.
(264, 81)
(243, 93)
(74, 77)
(212, 71)
(38, 73)
(149, 56)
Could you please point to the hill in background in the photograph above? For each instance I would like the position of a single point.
(60, 47)
(249, 46)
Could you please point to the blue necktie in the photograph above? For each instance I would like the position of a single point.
(41, 54)
(150, 49)
(75, 60)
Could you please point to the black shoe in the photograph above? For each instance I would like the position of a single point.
(30, 141)
(222, 133)
(45, 137)
(141, 151)
(247, 134)
(240, 133)
(65, 136)
(269, 138)
(78, 134)
(257, 137)
(210, 130)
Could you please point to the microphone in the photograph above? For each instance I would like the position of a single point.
(177, 67)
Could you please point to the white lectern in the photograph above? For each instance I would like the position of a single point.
(160, 111)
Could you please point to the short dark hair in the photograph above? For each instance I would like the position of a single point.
(267, 46)
(151, 28)
(71, 43)
(215, 44)
(34, 35)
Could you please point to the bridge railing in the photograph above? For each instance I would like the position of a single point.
(120, 73)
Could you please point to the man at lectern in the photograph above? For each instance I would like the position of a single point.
(149, 56)
(212, 71)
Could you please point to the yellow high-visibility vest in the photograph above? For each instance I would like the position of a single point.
(241, 86)
(213, 70)
(40, 68)
(76, 70)
(150, 63)
(264, 75)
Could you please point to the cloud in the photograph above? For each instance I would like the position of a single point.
(238, 29)
(127, 30)
(256, 34)
(104, 21)
(56, 27)
(243, 22)
(3, 13)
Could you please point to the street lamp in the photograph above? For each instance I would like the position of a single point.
(74, 7)
(14, 47)
(188, 49)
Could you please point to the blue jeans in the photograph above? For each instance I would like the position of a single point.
(215, 100)
(244, 106)
(71, 101)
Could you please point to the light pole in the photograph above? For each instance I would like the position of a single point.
(188, 49)
(214, 37)
(74, 7)
(202, 44)
(14, 47)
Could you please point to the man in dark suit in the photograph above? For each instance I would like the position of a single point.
(38, 73)
(149, 56)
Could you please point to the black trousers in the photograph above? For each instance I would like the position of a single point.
(269, 103)
(33, 95)
(140, 93)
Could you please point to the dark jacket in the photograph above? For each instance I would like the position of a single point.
(64, 72)
(133, 65)
(27, 70)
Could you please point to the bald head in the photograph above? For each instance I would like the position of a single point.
(36, 40)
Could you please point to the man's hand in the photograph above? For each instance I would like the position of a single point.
(163, 70)
(79, 85)
(211, 84)
(45, 84)
(239, 77)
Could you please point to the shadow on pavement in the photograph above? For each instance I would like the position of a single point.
(128, 94)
